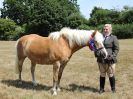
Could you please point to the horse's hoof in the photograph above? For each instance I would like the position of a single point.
(58, 89)
(54, 93)
(34, 84)
(20, 82)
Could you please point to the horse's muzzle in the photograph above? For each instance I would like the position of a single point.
(100, 53)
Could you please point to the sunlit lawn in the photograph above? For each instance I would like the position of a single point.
(80, 77)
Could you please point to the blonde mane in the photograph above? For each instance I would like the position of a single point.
(54, 35)
(75, 36)
(99, 37)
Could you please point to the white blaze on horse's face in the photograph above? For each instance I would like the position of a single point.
(98, 37)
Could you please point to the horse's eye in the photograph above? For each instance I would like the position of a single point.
(95, 42)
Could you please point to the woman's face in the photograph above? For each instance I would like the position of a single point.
(106, 30)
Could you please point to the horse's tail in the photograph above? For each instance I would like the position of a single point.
(16, 60)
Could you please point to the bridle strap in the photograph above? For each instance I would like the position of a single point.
(92, 38)
(99, 49)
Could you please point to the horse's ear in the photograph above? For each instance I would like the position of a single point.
(94, 33)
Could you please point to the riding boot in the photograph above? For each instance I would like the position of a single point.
(102, 83)
(112, 83)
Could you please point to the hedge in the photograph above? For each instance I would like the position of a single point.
(122, 31)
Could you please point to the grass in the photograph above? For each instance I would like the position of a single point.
(80, 77)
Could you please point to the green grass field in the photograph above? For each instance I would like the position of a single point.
(80, 78)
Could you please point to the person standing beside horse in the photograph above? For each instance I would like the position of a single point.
(107, 66)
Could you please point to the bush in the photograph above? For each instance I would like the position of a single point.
(124, 31)
(7, 27)
(19, 31)
(9, 30)
(84, 27)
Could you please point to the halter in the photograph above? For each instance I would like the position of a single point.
(92, 45)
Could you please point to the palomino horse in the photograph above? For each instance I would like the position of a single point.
(55, 49)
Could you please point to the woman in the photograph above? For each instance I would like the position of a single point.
(107, 66)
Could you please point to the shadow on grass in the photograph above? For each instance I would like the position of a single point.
(75, 87)
(25, 85)
(28, 85)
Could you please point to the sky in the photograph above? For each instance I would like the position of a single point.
(1, 3)
(86, 6)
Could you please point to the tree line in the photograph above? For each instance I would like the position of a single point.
(21, 17)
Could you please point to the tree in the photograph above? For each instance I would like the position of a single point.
(40, 16)
(102, 16)
(17, 10)
(75, 20)
(126, 16)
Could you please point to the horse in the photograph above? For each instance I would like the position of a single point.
(56, 49)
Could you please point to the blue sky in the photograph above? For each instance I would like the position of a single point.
(86, 6)
(1, 3)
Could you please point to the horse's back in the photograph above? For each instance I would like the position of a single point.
(43, 50)
(35, 47)
(29, 37)
(32, 39)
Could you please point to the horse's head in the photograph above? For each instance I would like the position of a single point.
(96, 43)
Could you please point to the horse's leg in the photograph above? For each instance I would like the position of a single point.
(20, 57)
(20, 64)
(56, 67)
(60, 75)
(33, 65)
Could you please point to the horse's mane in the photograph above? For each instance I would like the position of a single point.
(54, 35)
(74, 36)
(99, 37)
